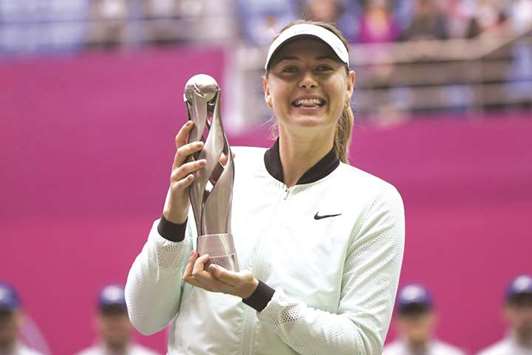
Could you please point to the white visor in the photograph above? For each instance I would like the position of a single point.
(307, 29)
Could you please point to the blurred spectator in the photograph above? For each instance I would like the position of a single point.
(343, 14)
(488, 15)
(161, 15)
(113, 326)
(322, 10)
(518, 313)
(521, 15)
(415, 324)
(459, 15)
(377, 23)
(519, 75)
(109, 27)
(403, 10)
(11, 319)
(260, 20)
(37, 26)
(428, 22)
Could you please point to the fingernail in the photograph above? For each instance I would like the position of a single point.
(189, 123)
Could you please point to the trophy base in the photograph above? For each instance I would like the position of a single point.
(221, 250)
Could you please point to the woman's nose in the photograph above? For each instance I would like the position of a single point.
(307, 81)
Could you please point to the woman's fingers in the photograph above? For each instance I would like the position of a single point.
(196, 275)
(241, 284)
(224, 275)
(191, 272)
(182, 184)
(183, 152)
(182, 136)
(199, 265)
(195, 266)
(182, 175)
(217, 279)
(187, 169)
(190, 264)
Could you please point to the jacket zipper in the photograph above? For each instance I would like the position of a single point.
(249, 332)
(287, 191)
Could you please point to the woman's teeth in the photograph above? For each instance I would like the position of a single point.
(308, 102)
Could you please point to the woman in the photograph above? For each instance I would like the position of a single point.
(320, 242)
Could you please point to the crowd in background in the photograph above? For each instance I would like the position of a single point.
(376, 21)
(109, 23)
(416, 323)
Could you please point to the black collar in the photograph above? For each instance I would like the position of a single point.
(321, 169)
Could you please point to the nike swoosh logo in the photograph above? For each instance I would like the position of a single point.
(316, 216)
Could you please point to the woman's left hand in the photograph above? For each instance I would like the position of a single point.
(218, 279)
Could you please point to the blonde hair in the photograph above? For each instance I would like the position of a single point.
(344, 125)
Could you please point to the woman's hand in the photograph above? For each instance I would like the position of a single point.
(176, 204)
(218, 279)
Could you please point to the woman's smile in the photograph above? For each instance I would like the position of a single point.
(309, 102)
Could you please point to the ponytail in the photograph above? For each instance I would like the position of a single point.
(342, 135)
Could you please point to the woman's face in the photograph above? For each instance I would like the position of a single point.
(307, 85)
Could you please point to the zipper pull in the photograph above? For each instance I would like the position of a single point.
(286, 193)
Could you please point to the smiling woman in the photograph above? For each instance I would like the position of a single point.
(318, 75)
(320, 242)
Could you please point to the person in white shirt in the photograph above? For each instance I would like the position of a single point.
(113, 326)
(518, 313)
(416, 322)
(11, 320)
(319, 242)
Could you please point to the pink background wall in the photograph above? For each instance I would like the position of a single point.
(87, 144)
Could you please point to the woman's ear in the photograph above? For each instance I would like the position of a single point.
(266, 89)
(351, 81)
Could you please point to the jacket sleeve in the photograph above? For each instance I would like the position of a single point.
(154, 283)
(369, 284)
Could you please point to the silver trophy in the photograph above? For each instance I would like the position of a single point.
(211, 192)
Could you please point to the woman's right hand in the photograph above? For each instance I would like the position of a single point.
(177, 203)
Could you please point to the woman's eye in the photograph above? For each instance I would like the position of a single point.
(289, 69)
(323, 68)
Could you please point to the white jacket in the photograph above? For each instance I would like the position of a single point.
(132, 349)
(21, 349)
(506, 346)
(335, 278)
(435, 347)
